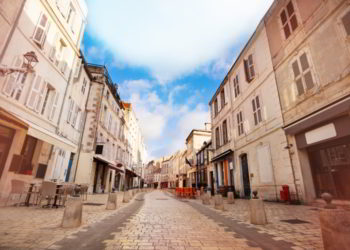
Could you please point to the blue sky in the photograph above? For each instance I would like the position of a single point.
(168, 57)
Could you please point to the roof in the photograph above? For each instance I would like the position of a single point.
(126, 105)
(197, 130)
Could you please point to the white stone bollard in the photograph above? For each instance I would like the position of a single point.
(335, 226)
(257, 212)
(73, 213)
(126, 197)
(112, 201)
(198, 194)
(206, 199)
(219, 203)
(230, 198)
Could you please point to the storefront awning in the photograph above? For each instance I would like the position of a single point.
(222, 155)
(128, 171)
(47, 136)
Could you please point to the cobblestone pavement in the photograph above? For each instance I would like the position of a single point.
(304, 236)
(39, 228)
(166, 223)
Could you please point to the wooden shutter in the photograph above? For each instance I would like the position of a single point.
(41, 96)
(246, 70)
(34, 93)
(12, 78)
(77, 68)
(41, 29)
(70, 110)
(54, 105)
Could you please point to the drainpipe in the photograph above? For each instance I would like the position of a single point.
(289, 153)
(14, 26)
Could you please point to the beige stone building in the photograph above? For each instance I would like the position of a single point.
(103, 157)
(34, 144)
(309, 44)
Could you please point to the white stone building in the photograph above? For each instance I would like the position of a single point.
(31, 103)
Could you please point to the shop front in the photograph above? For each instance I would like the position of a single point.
(324, 138)
(222, 172)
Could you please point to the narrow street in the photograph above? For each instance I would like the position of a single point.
(157, 220)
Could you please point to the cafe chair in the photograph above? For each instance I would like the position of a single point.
(47, 191)
(67, 189)
(17, 188)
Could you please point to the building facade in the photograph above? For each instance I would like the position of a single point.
(309, 44)
(33, 144)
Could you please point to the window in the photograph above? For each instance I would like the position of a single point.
(289, 20)
(54, 105)
(37, 93)
(249, 68)
(15, 81)
(75, 116)
(256, 110)
(77, 68)
(216, 109)
(71, 15)
(28, 150)
(49, 92)
(346, 22)
(224, 131)
(70, 109)
(217, 137)
(302, 74)
(236, 86)
(222, 97)
(240, 123)
(41, 30)
(83, 86)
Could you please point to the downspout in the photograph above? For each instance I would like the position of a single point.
(289, 153)
(14, 26)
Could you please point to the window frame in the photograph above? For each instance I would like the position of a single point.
(217, 137)
(257, 111)
(225, 132)
(296, 14)
(236, 87)
(240, 123)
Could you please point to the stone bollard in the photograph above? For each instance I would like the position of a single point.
(230, 198)
(73, 213)
(126, 197)
(219, 203)
(202, 190)
(198, 194)
(112, 201)
(335, 226)
(257, 210)
(206, 199)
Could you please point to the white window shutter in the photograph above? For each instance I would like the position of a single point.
(41, 96)
(62, 5)
(54, 106)
(12, 78)
(34, 93)
(77, 68)
(41, 29)
(70, 110)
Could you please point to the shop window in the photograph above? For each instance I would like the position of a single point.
(302, 74)
(289, 20)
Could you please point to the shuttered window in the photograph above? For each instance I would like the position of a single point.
(35, 92)
(77, 68)
(236, 86)
(346, 22)
(41, 96)
(41, 30)
(83, 86)
(289, 20)
(70, 110)
(240, 123)
(256, 110)
(224, 131)
(75, 115)
(302, 74)
(216, 108)
(249, 68)
(15, 81)
(55, 99)
(217, 137)
(222, 97)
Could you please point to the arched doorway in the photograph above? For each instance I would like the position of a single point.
(245, 175)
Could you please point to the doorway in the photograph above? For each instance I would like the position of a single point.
(330, 165)
(245, 175)
(212, 182)
(6, 136)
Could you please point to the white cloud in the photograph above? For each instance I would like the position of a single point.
(172, 38)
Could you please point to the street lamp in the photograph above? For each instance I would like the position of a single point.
(30, 60)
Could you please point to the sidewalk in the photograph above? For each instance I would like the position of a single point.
(303, 229)
(39, 228)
